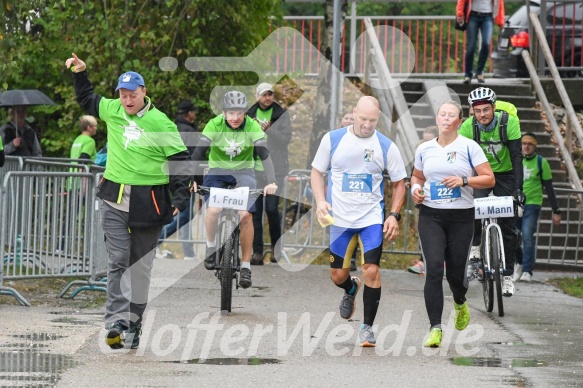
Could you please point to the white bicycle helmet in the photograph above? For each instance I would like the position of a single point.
(235, 100)
(482, 95)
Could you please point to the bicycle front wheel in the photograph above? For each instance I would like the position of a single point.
(227, 267)
(496, 262)
(487, 284)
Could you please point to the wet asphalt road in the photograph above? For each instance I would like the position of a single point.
(286, 331)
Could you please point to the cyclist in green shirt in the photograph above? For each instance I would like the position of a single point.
(146, 157)
(84, 146)
(503, 151)
(234, 139)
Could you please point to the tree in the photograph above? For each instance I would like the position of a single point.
(116, 36)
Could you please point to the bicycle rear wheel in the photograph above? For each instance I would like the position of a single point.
(227, 267)
(496, 262)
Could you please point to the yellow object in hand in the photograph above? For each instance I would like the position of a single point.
(328, 220)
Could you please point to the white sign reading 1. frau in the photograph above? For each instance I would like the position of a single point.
(494, 207)
(229, 199)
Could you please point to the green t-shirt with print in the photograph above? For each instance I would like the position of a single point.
(532, 186)
(138, 145)
(83, 144)
(232, 149)
(501, 150)
(263, 116)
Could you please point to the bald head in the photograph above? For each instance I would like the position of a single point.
(366, 116)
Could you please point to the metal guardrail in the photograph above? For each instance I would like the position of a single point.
(573, 124)
(573, 176)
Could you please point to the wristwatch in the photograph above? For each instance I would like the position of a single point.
(396, 215)
(465, 181)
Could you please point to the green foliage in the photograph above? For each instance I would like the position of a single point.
(117, 36)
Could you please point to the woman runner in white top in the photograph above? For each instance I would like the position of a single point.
(442, 183)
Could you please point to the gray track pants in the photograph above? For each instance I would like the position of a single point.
(131, 254)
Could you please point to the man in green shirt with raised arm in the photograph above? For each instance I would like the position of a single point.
(146, 156)
(498, 133)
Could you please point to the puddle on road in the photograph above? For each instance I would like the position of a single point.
(229, 361)
(32, 368)
(511, 343)
(493, 362)
(37, 336)
(71, 320)
(24, 345)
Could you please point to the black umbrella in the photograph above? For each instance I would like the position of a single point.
(24, 97)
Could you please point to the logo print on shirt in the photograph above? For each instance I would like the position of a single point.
(451, 157)
(368, 155)
(233, 149)
(527, 173)
(131, 131)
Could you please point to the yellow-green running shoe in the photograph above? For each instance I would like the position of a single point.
(434, 339)
(462, 315)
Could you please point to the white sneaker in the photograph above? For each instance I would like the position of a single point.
(517, 272)
(508, 286)
(189, 258)
(526, 277)
(475, 253)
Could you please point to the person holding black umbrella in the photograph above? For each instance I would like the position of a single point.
(19, 137)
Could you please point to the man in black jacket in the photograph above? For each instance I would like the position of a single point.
(275, 122)
(190, 136)
(143, 143)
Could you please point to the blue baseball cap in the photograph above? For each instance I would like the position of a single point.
(130, 81)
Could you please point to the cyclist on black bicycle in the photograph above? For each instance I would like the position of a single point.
(498, 133)
(233, 139)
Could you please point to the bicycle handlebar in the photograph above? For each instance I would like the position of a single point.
(203, 190)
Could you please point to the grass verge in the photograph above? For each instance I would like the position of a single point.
(570, 286)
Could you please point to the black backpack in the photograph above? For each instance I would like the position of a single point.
(502, 126)
(502, 129)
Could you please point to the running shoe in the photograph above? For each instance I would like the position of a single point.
(508, 286)
(132, 336)
(517, 272)
(209, 258)
(366, 336)
(114, 336)
(472, 271)
(434, 339)
(347, 305)
(417, 268)
(526, 277)
(257, 259)
(462, 315)
(245, 278)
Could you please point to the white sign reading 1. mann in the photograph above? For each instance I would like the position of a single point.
(494, 207)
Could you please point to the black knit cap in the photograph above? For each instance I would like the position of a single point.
(185, 106)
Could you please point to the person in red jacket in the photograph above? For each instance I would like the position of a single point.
(478, 15)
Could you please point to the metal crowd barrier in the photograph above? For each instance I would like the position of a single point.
(302, 232)
(560, 244)
(47, 225)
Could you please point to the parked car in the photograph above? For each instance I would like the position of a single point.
(564, 22)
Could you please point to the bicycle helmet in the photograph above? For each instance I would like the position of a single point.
(235, 100)
(483, 95)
